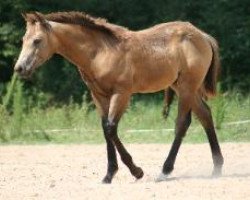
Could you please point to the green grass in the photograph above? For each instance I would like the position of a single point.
(25, 121)
(80, 124)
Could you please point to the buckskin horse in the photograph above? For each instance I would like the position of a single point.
(115, 63)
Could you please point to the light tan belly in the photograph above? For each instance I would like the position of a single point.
(149, 79)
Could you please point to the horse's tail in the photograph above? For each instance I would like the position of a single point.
(214, 69)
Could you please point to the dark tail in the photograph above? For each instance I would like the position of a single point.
(214, 69)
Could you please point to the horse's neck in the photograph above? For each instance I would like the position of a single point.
(79, 47)
(72, 43)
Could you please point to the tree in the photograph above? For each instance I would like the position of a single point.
(228, 21)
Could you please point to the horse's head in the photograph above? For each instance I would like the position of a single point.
(37, 44)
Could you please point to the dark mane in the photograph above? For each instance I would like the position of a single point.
(83, 19)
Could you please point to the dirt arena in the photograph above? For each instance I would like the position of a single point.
(75, 172)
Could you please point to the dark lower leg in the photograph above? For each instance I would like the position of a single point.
(112, 159)
(127, 159)
(112, 162)
(169, 163)
(218, 159)
(203, 113)
(125, 156)
(182, 125)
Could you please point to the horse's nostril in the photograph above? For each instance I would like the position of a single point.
(19, 69)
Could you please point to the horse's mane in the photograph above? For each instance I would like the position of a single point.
(83, 19)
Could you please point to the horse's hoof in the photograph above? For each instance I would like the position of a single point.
(167, 169)
(138, 173)
(107, 180)
(217, 172)
(109, 176)
(162, 177)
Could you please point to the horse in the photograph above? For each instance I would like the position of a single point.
(116, 63)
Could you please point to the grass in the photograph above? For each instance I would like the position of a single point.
(23, 121)
(80, 124)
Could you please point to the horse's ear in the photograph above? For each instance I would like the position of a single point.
(40, 18)
(31, 17)
(24, 15)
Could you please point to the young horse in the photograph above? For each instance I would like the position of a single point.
(115, 63)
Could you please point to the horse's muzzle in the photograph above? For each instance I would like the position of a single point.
(22, 72)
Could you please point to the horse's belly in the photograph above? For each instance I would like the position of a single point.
(153, 79)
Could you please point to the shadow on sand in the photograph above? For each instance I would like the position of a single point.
(235, 175)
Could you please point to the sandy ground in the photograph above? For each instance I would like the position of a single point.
(75, 172)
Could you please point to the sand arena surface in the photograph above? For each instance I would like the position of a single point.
(75, 172)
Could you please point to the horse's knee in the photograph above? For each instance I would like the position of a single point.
(110, 128)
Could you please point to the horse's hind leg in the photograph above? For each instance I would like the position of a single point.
(182, 123)
(203, 112)
(168, 99)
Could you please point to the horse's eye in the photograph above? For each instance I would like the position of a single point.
(37, 41)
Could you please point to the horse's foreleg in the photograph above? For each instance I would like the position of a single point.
(118, 104)
(124, 154)
(168, 99)
(204, 115)
(111, 153)
(102, 104)
(182, 123)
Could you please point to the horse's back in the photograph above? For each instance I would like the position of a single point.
(160, 53)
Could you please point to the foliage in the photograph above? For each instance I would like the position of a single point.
(17, 119)
(227, 21)
(220, 107)
(56, 98)
(22, 123)
(3, 121)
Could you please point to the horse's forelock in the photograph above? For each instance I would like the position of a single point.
(34, 17)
